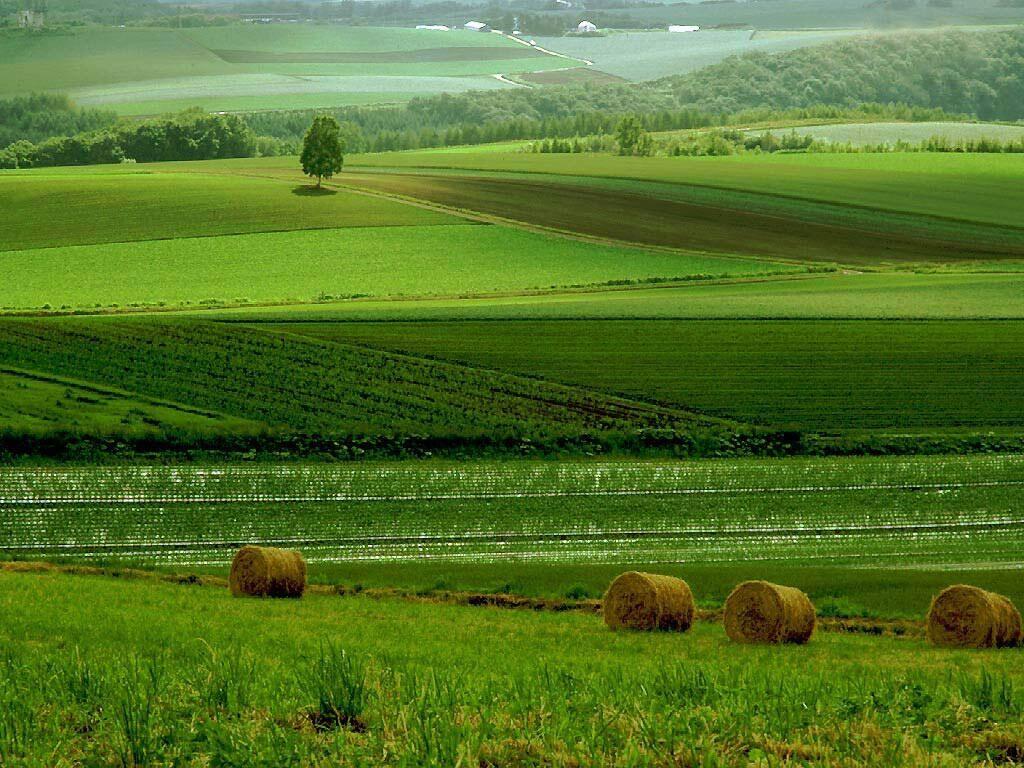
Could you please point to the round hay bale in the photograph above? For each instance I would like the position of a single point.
(761, 612)
(648, 601)
(962, 616)
(267, 572)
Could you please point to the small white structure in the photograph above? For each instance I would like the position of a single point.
(476, 26)
(434, 27)
(682, 28)
(586, 26)
(31, 19)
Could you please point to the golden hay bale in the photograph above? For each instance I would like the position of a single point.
(267, 572)
(969, 617)
(648, 601)
(760, 612)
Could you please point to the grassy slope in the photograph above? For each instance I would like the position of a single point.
(988, 188)
(897, 296)
(640, 215)
(806, 375)
(309, 386)
(121, 207)
(141, 71)
(305, 265)
(217, 680)
(134, 237)
(46, 403)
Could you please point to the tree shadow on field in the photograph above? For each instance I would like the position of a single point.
(312, 191)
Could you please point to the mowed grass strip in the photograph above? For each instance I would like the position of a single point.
(54, 208)
(816, 375)
(651, 220)
(838, 296)
(304, 266)
(431, 684)
(291, 383)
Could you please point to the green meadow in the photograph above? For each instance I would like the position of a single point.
(141, 672)
(896, 296)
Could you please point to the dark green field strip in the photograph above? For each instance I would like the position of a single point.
(638, 218)
(818, 375)
(299, 383)
(413, 56)
(848, 215)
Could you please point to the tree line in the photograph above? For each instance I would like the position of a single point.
(190, 135)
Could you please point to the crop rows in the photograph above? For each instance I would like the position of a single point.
(310, 385)
(879, 511)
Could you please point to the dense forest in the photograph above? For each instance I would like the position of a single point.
(976, 73)
(191, 135)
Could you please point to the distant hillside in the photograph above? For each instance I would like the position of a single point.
(979, 73)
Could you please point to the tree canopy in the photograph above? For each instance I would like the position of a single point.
(322, 149)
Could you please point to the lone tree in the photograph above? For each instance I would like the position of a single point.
(322, 149)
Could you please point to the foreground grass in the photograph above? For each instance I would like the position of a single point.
(110, 673)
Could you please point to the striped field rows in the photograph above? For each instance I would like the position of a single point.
(892, 511)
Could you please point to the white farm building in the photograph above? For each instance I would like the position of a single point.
(476, 26)
(434, 27)
(586, 26)
(682, 28)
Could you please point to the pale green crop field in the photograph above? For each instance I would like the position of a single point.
(143, 71)
(914, 133)
(256, 92)
(653, 54)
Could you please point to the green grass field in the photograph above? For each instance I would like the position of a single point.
(140, 71)
(988, 189)
(835, 295)
(119, 207)
(213, 236)
(150, 673)
(309, 265)
(302, 385)
(45, 403)
(812, 375)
